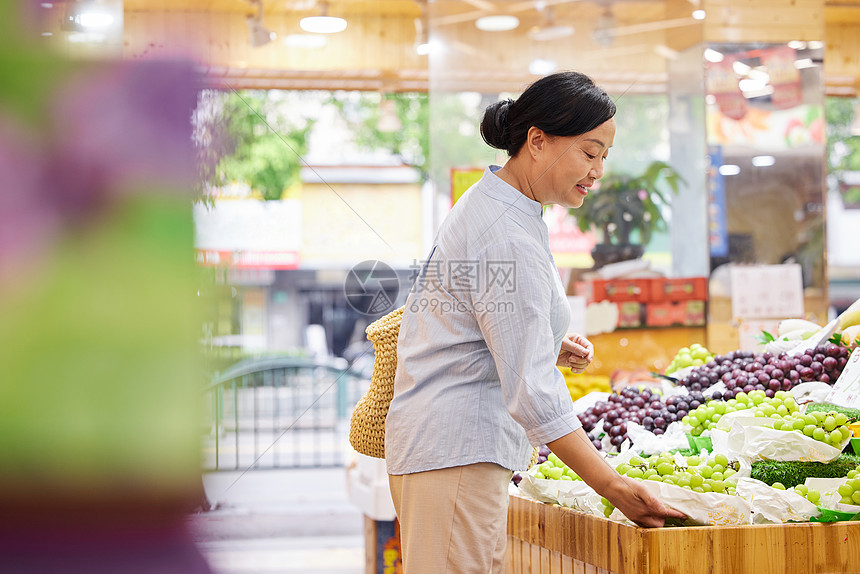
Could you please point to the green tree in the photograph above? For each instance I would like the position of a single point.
(248, 136)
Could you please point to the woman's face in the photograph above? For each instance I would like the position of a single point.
(568, 166)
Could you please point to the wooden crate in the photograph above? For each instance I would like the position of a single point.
(546, 539)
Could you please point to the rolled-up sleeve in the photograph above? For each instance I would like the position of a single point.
(513, 310)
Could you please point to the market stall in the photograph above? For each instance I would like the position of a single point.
(756, 447)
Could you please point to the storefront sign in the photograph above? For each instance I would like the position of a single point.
(767, 291)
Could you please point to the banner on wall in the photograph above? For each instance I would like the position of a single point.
(462, 179)
(784, 76)
(722, 83)
(718, 232)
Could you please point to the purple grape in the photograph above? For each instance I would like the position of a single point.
(824, 378)
(597, 444)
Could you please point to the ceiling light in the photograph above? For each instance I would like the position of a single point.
(497, 23)
(699, 14)
(323, 24)
(550, 33)
(541, 67)
(815, 45)
(94, 19)
(763, 160)
(797, 44)
(730, 169)
(422, 49)
(713, 56)
(740, 68)
(752, 85)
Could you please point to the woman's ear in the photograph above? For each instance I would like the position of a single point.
(536, 141)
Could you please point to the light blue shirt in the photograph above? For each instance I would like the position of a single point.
(481, 332)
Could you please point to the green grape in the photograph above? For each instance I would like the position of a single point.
(706, 471)
(722, 460)
(801, 489)
(846, 500)
(566, 477)
(556, 473)
(718, 485)
(819, 434)
(856, 497)
(778, 486)
(696, 480)
(717, 475)
(665, 468)
(829, 423)
(623, 468)
(845, 490)
(636, 461)
(539, 474)
(813, 496)
(841, 419)
(693, 461)
(809, 429)
(635, 473)
(654, 477)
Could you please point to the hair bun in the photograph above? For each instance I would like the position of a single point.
(494, 127)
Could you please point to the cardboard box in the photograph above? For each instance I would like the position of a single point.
(630, 314)
(683, 313)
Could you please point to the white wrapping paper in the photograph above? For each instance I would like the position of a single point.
(646, 442)
(763, 443)
(702, 508)
(773, 506)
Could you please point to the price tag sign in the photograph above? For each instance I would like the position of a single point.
(767, 291)
(846, 390)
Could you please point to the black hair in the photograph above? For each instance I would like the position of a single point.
(561, 104)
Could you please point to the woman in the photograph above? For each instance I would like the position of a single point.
(482, 332)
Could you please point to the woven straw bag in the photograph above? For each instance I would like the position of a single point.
(367, 425)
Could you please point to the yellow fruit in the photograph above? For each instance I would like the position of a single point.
(851, 316)
(850, 334)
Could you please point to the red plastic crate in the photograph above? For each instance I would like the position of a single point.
(679, 289)
(620, 290)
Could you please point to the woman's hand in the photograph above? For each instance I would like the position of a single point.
(637, 504)
(576, 353)
(628, 495)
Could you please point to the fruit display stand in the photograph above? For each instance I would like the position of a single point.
(636, 349)
(549, 539)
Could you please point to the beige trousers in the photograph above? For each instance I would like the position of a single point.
(453, 520)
